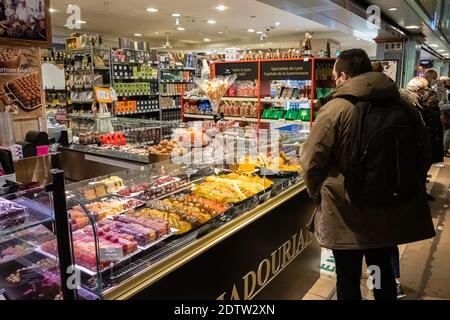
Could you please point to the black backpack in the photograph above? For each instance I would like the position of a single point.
(383, 152)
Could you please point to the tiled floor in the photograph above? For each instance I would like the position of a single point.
(425, 265)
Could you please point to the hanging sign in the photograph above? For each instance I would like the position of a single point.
(244, 70)
(286, 70)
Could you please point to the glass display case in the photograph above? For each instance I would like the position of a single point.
(126, 226)
(129, 229)
(26, 222)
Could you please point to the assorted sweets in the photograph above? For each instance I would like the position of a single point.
(166, 147)
(278, 163)
(102, 188)
(11, 214)
(106, 208)
(27, 90)
(12, 252)
(231, 188)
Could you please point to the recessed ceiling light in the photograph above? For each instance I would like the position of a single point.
(251, 30)
(81, 21)
(153, 10)
(156, 32)
(138, 34)
(221, 7)
(220, 32)
(297, 29)
(181, 29)
(393, 9)
(445, 54)
(434, 45)
(358, 39)
(441, 50)
(412, 27)
(51, 10)
(277, 23)
(176, 15)
(207, 40)
(211, 21)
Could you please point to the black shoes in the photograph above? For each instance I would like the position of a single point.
(400, 293)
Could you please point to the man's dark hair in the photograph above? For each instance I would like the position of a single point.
(353, 62)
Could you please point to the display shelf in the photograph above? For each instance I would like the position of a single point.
(82, 102)
(177, 81)
(37, 214)
(195, 98)
(173, 108)
(136, 78)
(89, 116)
(198, 116)
(137, 95)
(170, 95)
(279, 100)
(179, 69)
(250, 99)
(139, 112)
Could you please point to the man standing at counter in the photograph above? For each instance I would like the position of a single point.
(365, 165)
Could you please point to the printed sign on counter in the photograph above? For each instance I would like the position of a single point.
(244, 71)
(286, 70)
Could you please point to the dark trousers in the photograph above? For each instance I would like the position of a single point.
(348, 271)
(395, 262)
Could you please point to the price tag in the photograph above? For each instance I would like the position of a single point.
(103, 95)
(111, 254)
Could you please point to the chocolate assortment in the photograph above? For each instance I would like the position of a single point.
(27, 91)
(11, 214)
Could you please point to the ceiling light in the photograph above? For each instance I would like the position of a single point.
(393, 9)
(81, 21)
(211, 22)
(434, 45)
(156, 32)
(153, 10)
(251, 30)
(221, 7)
(176, 15)
(51, 10)
(220, 32)
(445, 54)
(358, 39)
(138, 34)
(207, 40)
(181, 29)
(259, 32)
(297, 29)
(412, 27)
(277, 23)
(441, 50)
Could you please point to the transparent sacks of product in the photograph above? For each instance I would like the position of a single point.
(215, 89)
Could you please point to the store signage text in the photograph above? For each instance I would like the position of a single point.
(244, 71)
(269, 268)
(286, 70)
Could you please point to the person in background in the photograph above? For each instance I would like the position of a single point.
(414, 92)
(431, 114)
(23, 12)
(356, 231)
(2, 11)
(444, 106)
(395, 254)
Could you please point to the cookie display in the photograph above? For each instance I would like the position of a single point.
(27, 91)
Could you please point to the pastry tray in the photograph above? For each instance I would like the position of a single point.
(9, 92)
(173, 231)
(89, 271)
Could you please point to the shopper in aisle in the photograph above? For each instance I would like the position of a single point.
(431, 114)
(353, 229)
(395, 255)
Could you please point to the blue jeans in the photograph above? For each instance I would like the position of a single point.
(395, 262)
